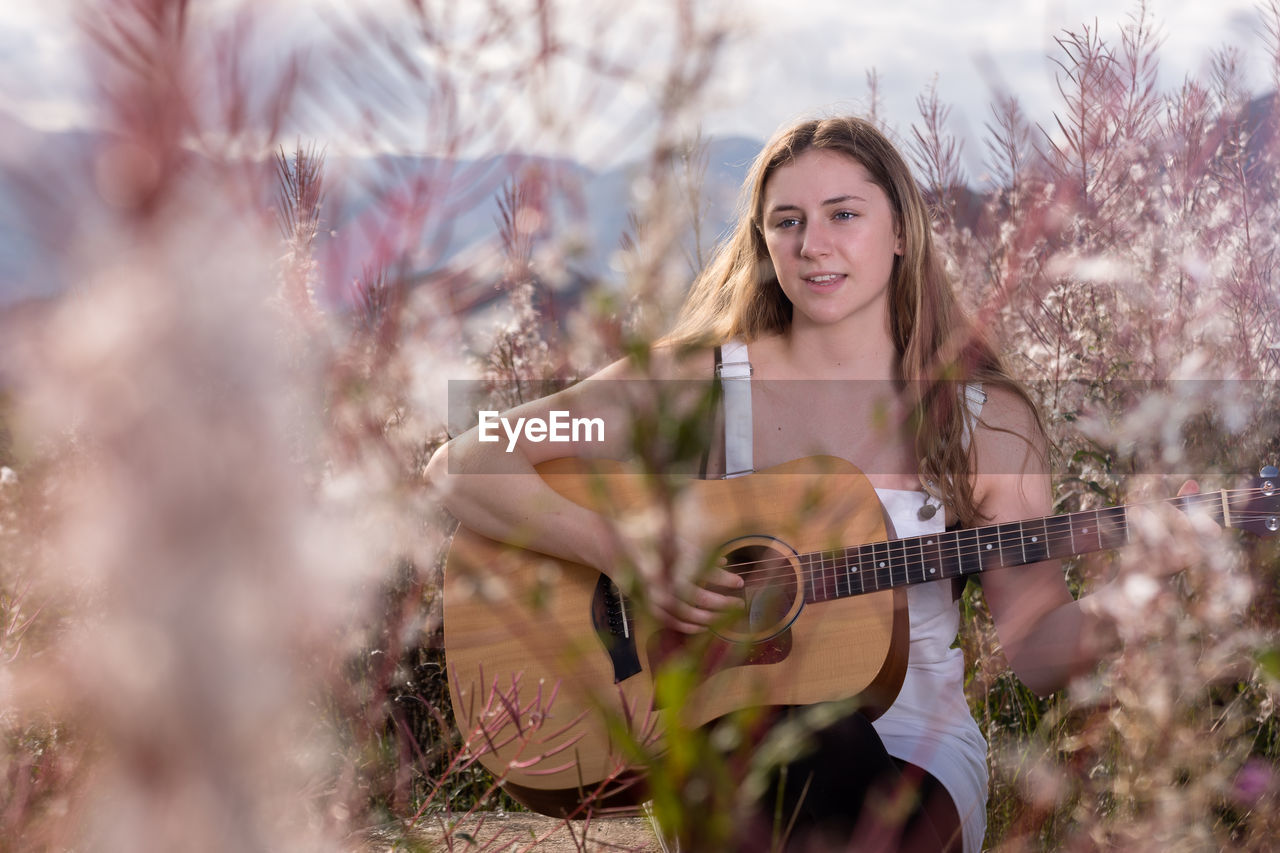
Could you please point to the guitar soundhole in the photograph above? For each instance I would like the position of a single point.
(772, 591)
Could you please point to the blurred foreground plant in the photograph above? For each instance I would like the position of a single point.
(218, 568)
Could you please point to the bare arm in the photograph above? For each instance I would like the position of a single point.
(499, 494)
(1048, 636)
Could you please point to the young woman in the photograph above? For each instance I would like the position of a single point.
(831, 277)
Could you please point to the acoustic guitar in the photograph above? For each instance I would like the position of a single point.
(551, 667)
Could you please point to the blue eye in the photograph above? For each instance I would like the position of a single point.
(846, 214)
(790, 222)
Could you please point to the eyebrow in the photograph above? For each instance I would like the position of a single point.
(835, 200)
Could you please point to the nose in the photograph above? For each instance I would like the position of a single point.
(816, 241)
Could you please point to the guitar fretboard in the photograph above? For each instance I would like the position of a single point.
(918, 559)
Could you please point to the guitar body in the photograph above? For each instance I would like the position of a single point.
(552, 672)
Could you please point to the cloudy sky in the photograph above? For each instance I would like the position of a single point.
(787, 57)
(817, 51)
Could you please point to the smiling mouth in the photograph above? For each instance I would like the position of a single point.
(826, 278)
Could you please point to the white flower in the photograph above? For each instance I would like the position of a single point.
(1139, 590)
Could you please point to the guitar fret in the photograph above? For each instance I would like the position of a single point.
(856, 569)
(931, 561)
(945, 562)
(1058, 545)
(1084, 531)
(924, 561)
(1035, 548)
(818, 576)
(880, 558)
(898, 562)
(861, 565)
(1112, 527)
(968, 553)
(829, 578)
(989, 553)
(1012, 550)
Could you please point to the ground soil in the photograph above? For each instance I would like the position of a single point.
(511, 832)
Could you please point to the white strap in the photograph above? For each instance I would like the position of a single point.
(735, 377)
(974, 397)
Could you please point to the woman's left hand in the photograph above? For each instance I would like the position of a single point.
(1173, 537)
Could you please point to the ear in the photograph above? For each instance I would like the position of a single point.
(897, 246)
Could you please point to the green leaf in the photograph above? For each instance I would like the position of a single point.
(1269, 662)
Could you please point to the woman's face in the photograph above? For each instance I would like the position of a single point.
(832, 236)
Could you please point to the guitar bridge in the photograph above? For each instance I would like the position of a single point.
(615, 628)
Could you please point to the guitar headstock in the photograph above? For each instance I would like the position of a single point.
(1256, 508)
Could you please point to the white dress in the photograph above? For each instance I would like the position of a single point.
(929, 723)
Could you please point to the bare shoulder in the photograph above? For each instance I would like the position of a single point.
(1008, 428)
(1010, 458)
(1006, 409)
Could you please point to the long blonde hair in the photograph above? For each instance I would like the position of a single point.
(937, 346)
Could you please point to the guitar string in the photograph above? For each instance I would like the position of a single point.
(890, 561)
(1120, 524)
(897, 549)
(889, 572)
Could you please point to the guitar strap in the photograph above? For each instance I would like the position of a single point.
(733, 371)
(713, 416)
(974, 397)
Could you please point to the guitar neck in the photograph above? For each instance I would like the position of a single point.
(960, 553)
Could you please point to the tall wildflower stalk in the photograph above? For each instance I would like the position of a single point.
(1120, 261)
(300, 196)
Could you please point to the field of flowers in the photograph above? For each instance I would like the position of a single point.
(220, 619)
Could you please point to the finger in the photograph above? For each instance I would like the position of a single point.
(673, 623)
(723, 579)
(679, 614)
(703, 598)
(712, 601)
(1190, 487)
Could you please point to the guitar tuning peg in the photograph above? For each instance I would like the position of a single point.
(1270, 472)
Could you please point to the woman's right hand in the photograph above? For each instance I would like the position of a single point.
(675, 578)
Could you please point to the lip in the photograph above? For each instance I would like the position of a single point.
(823, 278)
